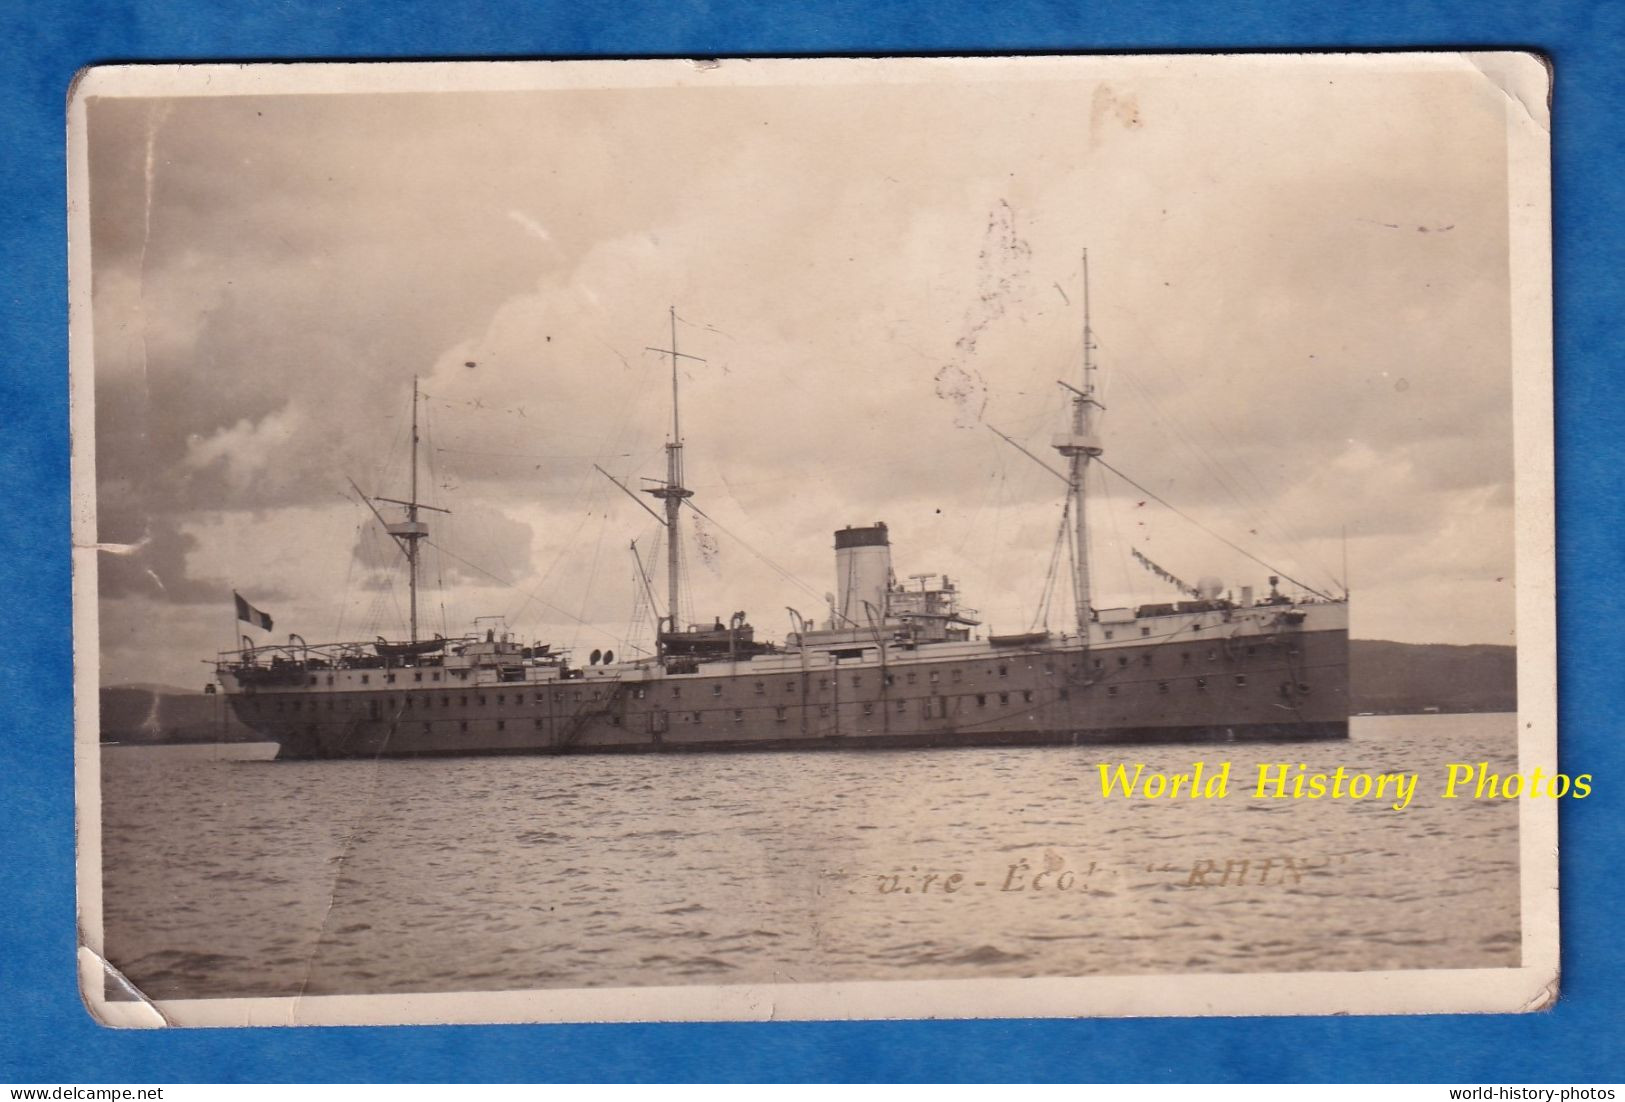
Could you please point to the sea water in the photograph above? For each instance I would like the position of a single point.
(500, 873)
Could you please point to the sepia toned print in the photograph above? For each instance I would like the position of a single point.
(592, 541)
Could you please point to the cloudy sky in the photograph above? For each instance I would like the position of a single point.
(1299, 291)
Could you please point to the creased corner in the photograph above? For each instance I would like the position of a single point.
(139, 1012)
(1543, 999)
(1524, 78)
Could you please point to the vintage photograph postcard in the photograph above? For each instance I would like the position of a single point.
(826, 538)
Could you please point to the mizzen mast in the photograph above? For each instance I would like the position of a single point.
(1079, 445)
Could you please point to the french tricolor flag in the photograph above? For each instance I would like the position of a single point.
(252, 615)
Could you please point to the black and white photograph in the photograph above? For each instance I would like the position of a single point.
(820, 538)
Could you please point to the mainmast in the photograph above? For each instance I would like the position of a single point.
(412, 530)
(1079, 446)
(672, 492)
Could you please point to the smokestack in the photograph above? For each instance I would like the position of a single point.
(862, 573)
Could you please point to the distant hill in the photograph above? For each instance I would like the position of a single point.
(1384, 677)
(163, 713)
(1404, 678)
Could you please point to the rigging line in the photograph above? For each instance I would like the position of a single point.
(1234, 547)
(510, 585)
(567, 545)
(1178, 434)
(349, 573)
(1028, 454)
(587, 499)
(586, 590)
(1105, 498)
(400, 443)
(477, 404)
(780, 571)
(1052, 575)
(431, 433)
(428, 439)
(577, 504)
(495, 545)
(1254, 507)
(1250, 509)
(704, 325)
(379, 612)
(597, 553)
(440, 587)
(1047, 596)
(533, 455)
(640, 598)
(393, 604)
(686, 587)
(687, 594)
(981, 507)
(624, 489)
(1245, 469)
(655, 555)
(1072, 566)
(427, 434)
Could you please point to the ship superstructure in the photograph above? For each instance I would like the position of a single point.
(894, 664)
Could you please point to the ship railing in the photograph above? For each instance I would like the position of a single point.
(360, 655)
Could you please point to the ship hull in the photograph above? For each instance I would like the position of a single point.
(1279, 686)
(767, 743)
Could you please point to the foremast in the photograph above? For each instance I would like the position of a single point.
(1080, 445)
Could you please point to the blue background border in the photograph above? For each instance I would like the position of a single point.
(46, 1035)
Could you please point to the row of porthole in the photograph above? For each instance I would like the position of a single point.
(406, 701)
(389, 678)
(1184, 657)
(1201, 683)
(935, 677)
(857, 679)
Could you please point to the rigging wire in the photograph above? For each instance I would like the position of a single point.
(477, 403)
(687, 595)
(1046, 598)
(533, 455)
(769, 563)
(1072, 564)
(640, 605)
(583, 488)
(592, 571)
(389, 461)
(1118, 541)
(440, 576)
(427, 429)
(1253, 508)
(1292, 532)
(1192, 520)
(384, 606)
(981, 504)
(513, 585)
(349, 574)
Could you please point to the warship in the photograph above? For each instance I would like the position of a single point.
(893, 665)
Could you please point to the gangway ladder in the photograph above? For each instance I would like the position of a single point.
(572, 734)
